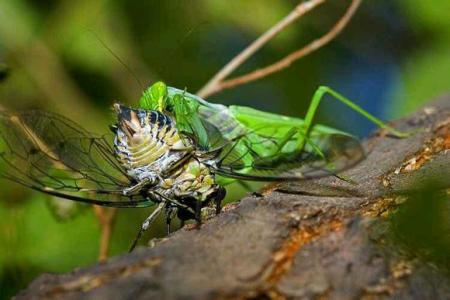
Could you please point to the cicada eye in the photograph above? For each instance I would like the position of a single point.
(113, 128)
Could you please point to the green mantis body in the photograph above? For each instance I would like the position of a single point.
(287, 134)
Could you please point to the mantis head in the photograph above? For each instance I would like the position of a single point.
(155, 97)
(182, 108)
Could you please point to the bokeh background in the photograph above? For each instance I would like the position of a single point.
(392, 58)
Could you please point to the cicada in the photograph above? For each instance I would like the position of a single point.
(175, 151)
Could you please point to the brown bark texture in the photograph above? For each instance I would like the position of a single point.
(320, 239)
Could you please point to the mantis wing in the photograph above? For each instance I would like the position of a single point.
(335, 154)
(262, 146)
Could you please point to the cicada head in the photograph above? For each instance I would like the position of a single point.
(131, 129)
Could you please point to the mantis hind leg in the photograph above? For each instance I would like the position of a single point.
(317, 98)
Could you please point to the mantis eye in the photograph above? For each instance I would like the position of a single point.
(113, 128)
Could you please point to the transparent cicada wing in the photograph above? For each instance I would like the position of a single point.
(52, 154)
(322, 157)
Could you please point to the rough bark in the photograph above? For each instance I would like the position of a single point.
(321, 239)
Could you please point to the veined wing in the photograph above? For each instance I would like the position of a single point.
(269, 152)
(217, 118)
(328, 156)
(52, 154)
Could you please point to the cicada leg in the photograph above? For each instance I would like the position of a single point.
(170, 212)
(147, 223)
(220, 195)
(198, 212)
(138, 186)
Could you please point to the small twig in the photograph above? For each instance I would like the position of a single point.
(106, 218)
(295, 14)
(218, 83)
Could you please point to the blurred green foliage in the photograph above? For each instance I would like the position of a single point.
(74, 57)
(425, 72)
(422, 225)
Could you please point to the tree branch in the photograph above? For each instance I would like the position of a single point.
(106, 217)
(218, 82)
(323, 238)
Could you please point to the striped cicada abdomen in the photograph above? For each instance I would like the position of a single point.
(159, 160)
